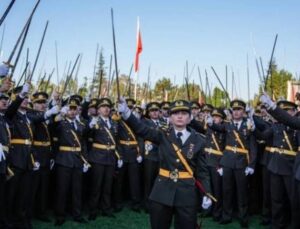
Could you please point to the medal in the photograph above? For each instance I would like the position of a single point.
(190, 153)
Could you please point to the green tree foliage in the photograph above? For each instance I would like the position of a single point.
(276, 84)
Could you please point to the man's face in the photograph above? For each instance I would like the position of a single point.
(24, 104)
(92, 111)
(165, 112)
(180, 118)
(104, 111)
(79, 110)
(3, 104)
(291, 112)
(40, 106)
(6, 84)
(72, 112)
(206, 113)
(237, 113)
(195, 112)
(217, 119)
(201, 116)
(154, 114)
(263, 112)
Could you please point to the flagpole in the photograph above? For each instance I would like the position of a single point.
(138, 51)
(135, 85)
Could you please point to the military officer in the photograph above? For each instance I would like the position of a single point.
(42, 153)
(180, 153)
(165, 108)
(151, 160)
(70, 161)
(103, 158)
(130, 153)
(215, 144)
(5, 136)
(286, 166)
(21, 158)
(238, 160)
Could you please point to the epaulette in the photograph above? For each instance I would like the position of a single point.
(81, 122)
(58, 118)
(116, 117)
(227, 121)
(202, 135)
(165, 128)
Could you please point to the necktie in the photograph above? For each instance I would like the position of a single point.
(73, 125)
(236, 125)
(25, 118)
(179, 135)
(107, 124)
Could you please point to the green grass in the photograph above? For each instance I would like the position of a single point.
(128, 219)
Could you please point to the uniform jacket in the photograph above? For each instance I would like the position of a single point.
(168, 191)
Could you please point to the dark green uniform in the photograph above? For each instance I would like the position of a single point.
(5, 136)
(21, 161)
(69, 165)
(151, 163)
(294, 167)
(129, 151)
(103, 156)
(214, 151)
(234, 162)
(172, 193)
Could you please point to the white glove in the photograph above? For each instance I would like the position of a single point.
(144, 105)
(250, 124)
(267, 101)
(88, 98)
(139, 159)
(206, 202)
(2, 154)
(4, 69)
(209, 120)
(64, 110)
(249, 171)
(53, 102)
(25, 90)
(136, 114)
(123, 108)
(120, 163)
(148, 147)
(250, 112)
(220, 171)
(85, 168)
(192, 117)
(52, 163)
(36, 166)
(93, 122)
(53, 111)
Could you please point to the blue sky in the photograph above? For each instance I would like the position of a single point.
(206, 33)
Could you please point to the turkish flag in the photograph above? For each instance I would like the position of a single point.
(139, 47)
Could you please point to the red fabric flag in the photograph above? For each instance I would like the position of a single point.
(139, 47)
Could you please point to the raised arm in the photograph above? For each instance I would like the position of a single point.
(198, 126)
(282, 116)
(13, 108)
(144, 131)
